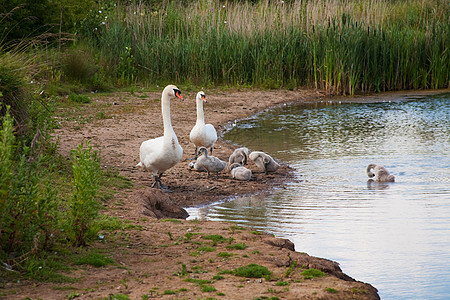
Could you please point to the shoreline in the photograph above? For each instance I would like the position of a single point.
(147, 259)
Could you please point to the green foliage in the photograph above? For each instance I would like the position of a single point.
(29, 18)
(117, 297)
(208, 288)
(281, 283)
(125, 68)
(252, 271)
(349, 47)
(331, 290)
(79, 98)
(216, 238)
(15, 72)
(291, 268)
(94, 259)
(313, 273)
(224, 254)
(183, 272)
(206, 249)
(27, 221)
(237, 246)
(197, 281)
(169, 292)
(84, 205)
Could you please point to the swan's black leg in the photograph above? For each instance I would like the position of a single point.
(158, 184)
(210, 150)
(265, 168)
(195, 154)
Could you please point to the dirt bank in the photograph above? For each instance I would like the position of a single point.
(167, 255)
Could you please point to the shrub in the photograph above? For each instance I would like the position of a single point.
(83, 204)
(27, 204)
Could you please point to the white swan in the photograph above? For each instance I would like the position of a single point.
(161, 153)
(210, 163)
(264, 161)
(239, 156)
(239, 172)
(380, 173)
(202, 135)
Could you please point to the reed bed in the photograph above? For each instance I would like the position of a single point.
(344, 46)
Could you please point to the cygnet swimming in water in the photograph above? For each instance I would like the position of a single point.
(380, 173)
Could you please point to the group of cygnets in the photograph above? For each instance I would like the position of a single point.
(159, 154)
(236, 163)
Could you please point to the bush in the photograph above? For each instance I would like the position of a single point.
(13, 92)
(84, 205)
(27, 203)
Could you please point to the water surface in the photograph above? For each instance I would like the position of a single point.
(395, 236)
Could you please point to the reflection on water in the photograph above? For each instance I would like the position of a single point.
(395, 236)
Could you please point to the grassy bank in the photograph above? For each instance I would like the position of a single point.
(341, 46)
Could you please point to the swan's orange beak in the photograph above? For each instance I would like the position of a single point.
(178, 94)
(204, 99)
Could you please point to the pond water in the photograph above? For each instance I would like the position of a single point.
(395, 236)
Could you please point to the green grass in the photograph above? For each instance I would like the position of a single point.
(225, 254)
(169, 292)
(215, 238)
(313, 273)
(237, 246)
(79, 98)
(94, 259)
(252, 271)
(206, 249)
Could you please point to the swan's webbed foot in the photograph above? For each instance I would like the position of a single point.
(158, 184)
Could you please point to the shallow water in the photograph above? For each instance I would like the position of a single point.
(395, 236)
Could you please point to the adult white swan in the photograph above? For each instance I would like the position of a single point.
(161, 153)
(202, 135)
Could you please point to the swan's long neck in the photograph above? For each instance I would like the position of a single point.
(369, 167)
(200, 113)
(165, 109)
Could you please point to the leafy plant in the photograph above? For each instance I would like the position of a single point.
(83, 204)
(28, 217)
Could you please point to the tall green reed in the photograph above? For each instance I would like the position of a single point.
(340, 46)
